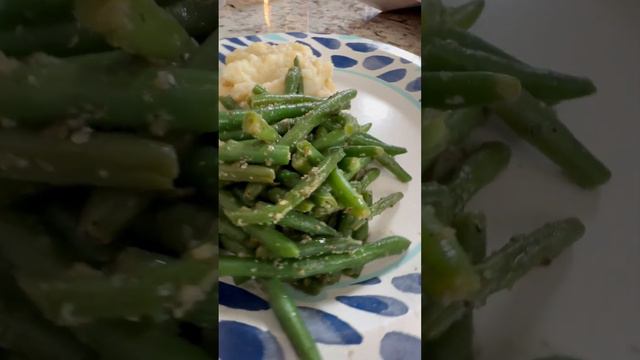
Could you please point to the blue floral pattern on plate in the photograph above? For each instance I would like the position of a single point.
(339, 317)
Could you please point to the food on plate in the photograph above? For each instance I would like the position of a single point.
(268, 65)
(295, 173)
(465, 78)
(108, 248)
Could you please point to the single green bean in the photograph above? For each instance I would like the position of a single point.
(290, 320)
(454, 90)
(389, 163)
(539, 125)
(480, 169)
(543, 84)
(364, 139)
(107, 212)
(347, 196)
(254, 152)
(258, 128)
(293, 79)
(142, 28)
(363, 151)
(465, 15)
(246, 173)
(229, 103)
(262, 100)
(297, 269)
(90, 160)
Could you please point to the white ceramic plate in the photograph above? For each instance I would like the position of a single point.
(587, 304)
(381, 318)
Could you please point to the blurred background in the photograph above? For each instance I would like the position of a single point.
(399, 27)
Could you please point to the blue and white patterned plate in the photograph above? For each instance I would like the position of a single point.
(378, 315)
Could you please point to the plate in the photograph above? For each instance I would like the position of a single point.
(587, 304)
(378, 315)
(387, 5)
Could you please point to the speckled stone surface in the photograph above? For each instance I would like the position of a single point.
(244, 17)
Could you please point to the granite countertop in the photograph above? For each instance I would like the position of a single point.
(244, 17)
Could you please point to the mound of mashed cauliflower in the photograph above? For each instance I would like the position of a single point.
(265, 64)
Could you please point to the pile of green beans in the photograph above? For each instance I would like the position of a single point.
(108, 241)
(466, 79)
(295, 174)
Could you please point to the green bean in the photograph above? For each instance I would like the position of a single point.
(543, 84)
(258, 128)
(290, 320)
(26, 332)
(274, 241)
(538, 124)
(237, 135)
(235, 246)
(326, 246)
(310, 152)
(389, 163)
(334, 138)
(251, 192)
(363, 151)
(454, 90)
(324, 200)
(315, 117)
(107, 212)
(259, 90)
(433, 14)
(229, 230)
(142, 28)
(246, 173)
(274, 213)
(61, 220)
(368, 177)
(352, 165)
(465, 15)
(129, 97)
(288, 178)
(255, 152)
(439, 197)
(445, 164)
(148, 291)
(60, 39)
(503, 268)
(307, 224)
(470, 41)
(442, 129)
(480, 169)
(229, 103)
(509, 264)
(262, 100)
(197, 17)
(297, 269)
(363, 139)
(232, 120)
(293, 79)
(347, 196)
(92, 160)
(471, 232)
(112, 340)
(384, 203)
(204, 57)
(449, 272)
(435, 137)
